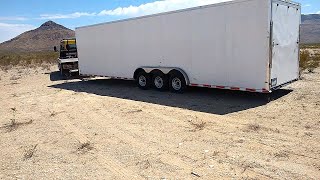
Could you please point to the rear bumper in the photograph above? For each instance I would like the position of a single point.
(283, 85)
(68, 60)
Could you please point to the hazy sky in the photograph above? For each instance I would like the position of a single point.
(17, 16)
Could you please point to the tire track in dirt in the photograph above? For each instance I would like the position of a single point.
(130, 138)
(137, 141)
(110, 163)
(165, 117)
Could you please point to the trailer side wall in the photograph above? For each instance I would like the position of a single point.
(224, 44)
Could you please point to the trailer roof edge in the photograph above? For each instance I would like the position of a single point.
(176, 11)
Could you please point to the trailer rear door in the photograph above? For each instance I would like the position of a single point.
(286, 19)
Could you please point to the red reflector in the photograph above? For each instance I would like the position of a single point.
(265, 91)
(235, 88)
(252, 90)
(205, 85)
(220, 87)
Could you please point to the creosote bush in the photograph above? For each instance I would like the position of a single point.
(308, 61)
(26, 59)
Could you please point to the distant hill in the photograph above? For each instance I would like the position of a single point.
(310, 28)
(43, 38)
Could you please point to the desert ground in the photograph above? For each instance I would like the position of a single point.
(89, 128)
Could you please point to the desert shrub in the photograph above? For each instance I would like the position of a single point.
(310, 46)
(309, 61)
(304, 59)
(27, 59)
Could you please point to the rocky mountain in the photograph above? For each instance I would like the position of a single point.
(43, 38)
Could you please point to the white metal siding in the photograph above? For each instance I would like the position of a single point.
(224, 44)
(285, 52)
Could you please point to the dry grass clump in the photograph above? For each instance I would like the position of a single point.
(145, 164)
(310, 46)
(29, 152)
(198, 126)
(281, 154)
(13, 125)
(85, 147)
(254, 127)
(27, 59)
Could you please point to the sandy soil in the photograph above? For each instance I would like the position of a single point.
(110, 129)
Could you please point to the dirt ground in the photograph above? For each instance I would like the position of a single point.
(110, 129)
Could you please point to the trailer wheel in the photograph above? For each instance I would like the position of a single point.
(177, 83)
(65, 73)
(143, 80)
(160, 81)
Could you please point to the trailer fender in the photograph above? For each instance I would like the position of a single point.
(165, 70)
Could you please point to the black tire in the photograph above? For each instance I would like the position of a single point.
(177, 83)
(65, 73)
(160, 81)
(143, 80)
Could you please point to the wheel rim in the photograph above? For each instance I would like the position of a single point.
(158, 82)
(176, 84)
(142, 81)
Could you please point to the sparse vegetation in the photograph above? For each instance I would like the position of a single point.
(13, 125)
(310, 46)
(145, 164)
(309, 61)
(254, 127)
(281, 154)
(29, 152)
(198, 126)
(85, 147)
(27, 59)
(53, 113)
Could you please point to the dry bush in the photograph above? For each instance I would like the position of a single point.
(304, 59)
(145, 164)
(310, 46)
(281, 154)
(308, 61)
(13, 125)
(85, 147)
(26, 59)
(29, 152)
(254, 127)
(198, 126)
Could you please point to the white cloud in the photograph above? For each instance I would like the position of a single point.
(66, 16)
(132, 11)
(307, 5)
(9, 31)
(156, 7)
(12, 18)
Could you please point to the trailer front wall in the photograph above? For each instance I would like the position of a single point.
(224, 44)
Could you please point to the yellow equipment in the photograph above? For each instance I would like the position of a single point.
(68, 60)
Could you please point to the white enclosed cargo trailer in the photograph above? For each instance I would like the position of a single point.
(249, 45)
